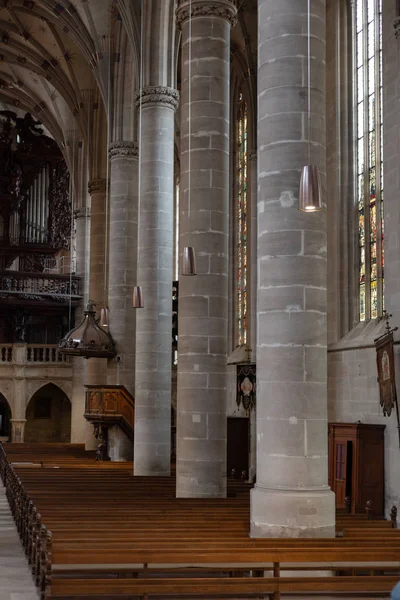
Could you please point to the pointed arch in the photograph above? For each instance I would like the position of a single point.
(48, 415)
(5, 418)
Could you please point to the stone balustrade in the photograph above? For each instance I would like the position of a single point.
(45, 353)
(34, 354)
(6, 353)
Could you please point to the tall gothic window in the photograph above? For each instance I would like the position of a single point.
(242, 252)
(369, 156)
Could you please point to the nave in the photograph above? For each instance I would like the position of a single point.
(91, 530)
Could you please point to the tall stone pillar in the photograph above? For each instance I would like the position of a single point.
(253, 301)
(291, 497)
(96, 370)
(123, 256)
(253, 253)
(203, 299)
(122, 278)
(79, 427)
(152, 445)
(19, 394)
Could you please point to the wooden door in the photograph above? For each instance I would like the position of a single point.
(339, 471)
(238, 445)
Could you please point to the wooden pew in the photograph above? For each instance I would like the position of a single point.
(86, 519)
(211, 587)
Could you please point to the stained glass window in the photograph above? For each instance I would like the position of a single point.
(368, 31)
(241, 222)
(176, 265)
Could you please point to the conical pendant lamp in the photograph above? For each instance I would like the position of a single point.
(310, 193)
(137, 297)
(188, 257)
(105, 317)
(310, 189)
(188, 261)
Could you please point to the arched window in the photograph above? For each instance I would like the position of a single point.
(368, 20)
(241, 203)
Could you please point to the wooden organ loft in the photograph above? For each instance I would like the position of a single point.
(35, 228)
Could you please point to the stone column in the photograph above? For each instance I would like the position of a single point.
(253, 300)
(154, 321)
(18, 430)
(19, 394)
(203, 299)
(81, 431)
(253, 253)
(122, 278)
(123, 256)
(291, 497)
(96, 370)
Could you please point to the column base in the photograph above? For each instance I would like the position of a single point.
(292, 513)
(120, 447)
(18, 430)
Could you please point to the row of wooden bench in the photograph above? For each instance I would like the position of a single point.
(97, 532)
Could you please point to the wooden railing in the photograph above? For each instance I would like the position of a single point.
(14, 282)
(35, 537)
(109, 405)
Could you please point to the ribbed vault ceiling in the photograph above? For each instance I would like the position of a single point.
(52, 55)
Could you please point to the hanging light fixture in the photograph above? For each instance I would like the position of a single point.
(88, 339)
(137, 298)
(310, 194)
(188, 261)
(188, 257)
(310, 189)
(105, 317)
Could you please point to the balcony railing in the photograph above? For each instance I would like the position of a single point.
(45, 354)
(37, 284)
(6, 353)
(32, 354)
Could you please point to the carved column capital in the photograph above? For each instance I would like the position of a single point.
(253, 154)
(225, 9)
(123, 149)
(81, 213)
(97, 186)
(158, 94)
(396, 27)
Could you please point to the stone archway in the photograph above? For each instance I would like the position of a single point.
(48, 416)
(5, 419)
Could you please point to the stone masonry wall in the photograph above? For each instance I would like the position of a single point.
(353, 388)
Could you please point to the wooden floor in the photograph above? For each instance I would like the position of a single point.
(103, 533)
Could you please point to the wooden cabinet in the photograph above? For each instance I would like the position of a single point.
(356, 465)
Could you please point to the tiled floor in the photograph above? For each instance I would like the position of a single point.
(15, 577)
